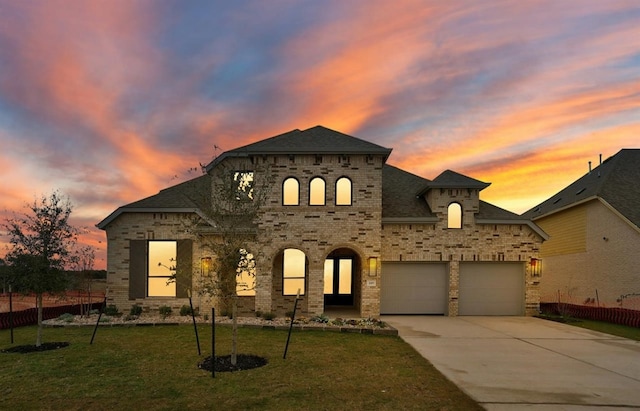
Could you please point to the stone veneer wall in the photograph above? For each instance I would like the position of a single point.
(473, 242)
(141, 226)
(319, 230)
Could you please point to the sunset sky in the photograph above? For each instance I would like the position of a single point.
(111, 101)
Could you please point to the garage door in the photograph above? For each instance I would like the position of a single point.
(413, 288)
(491, 289)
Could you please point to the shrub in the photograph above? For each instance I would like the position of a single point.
(258, 313)
(165, 311)
(320, 319)
(66, 317)
(111, 310)
(269, 316)
(94, 311)
(186, 310)
(136, 310)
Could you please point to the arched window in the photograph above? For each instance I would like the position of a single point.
(290, 192)
(454, 216)
(293, 272)
(343, 191)
(317, 191)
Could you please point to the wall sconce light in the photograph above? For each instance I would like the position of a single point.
(373, 266)
(206, 265)
(536, 267)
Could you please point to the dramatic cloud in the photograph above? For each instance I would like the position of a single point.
(111, 101)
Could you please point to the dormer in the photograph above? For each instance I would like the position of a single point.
(452, 196)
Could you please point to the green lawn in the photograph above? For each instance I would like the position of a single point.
(632, 333)
(155, 368)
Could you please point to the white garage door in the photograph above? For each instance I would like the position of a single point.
(491, 289)
(413, 288)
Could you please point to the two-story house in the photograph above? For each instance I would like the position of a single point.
(337, 226)
(593, 254)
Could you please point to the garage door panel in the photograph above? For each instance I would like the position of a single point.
(413, 288)
(491, 289)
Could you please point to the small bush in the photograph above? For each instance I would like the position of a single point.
(258, 313)
(269, 316)
(289, 314)
(130, 317)
(66, 317)
(206, 317)
(136, 310)
(186, 310)
(320, 319)
(111, 310)
(94, 312)
(105, 319)
(165, 311)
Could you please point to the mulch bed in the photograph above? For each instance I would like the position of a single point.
(223, 363)
(25, 349)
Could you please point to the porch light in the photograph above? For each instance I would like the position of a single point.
(206, 265)
(536, 267)
(373, 266)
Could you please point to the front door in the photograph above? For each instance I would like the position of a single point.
(338, 281)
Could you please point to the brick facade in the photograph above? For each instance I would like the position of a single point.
(357, 232)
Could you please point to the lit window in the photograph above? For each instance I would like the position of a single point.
(246, 275)
(343, 191)
(161, 267)
(454, 216)
(243, 184)
(293, 272)
(290, 192)
(317, 191)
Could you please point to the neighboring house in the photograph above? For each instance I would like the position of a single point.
(342, 226)
(593, 255)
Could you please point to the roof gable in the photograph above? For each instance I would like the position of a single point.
(451, 179)
(315, 140)
(615, 181)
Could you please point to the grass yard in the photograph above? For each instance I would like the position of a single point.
(632, 333)
(155, 368)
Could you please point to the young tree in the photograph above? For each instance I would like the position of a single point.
(228, 228)
(41, 242)
(82, 262)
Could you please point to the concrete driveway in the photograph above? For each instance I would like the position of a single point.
(511, 363)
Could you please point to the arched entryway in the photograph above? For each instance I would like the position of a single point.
(342, 277)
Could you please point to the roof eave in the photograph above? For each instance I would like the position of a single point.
(501, 221)
(122, 210)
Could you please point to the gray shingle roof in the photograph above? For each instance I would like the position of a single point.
(451, 179)
(400, 197)
(179, 198)
(615, 181)
(315, 140)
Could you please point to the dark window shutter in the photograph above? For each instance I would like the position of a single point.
(137, 269)
(184, 265)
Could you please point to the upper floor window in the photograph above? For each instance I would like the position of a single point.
(454, 216)
(293, 272)
(317, 191)
(343, 191)
(243, 185)
(290, 192)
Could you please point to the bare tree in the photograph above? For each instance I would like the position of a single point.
(227, 228)
(41, 240)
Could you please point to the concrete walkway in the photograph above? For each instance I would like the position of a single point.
(524, 363)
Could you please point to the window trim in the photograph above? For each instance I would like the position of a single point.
(324, 191)
(303, 277)
(451, 224)
(239, 194)
(291, 178)
(342, 178)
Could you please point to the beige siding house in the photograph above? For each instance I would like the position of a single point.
(593, 254)
(338, 225)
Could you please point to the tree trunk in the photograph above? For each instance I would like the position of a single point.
(234, 332)
(39, 333)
